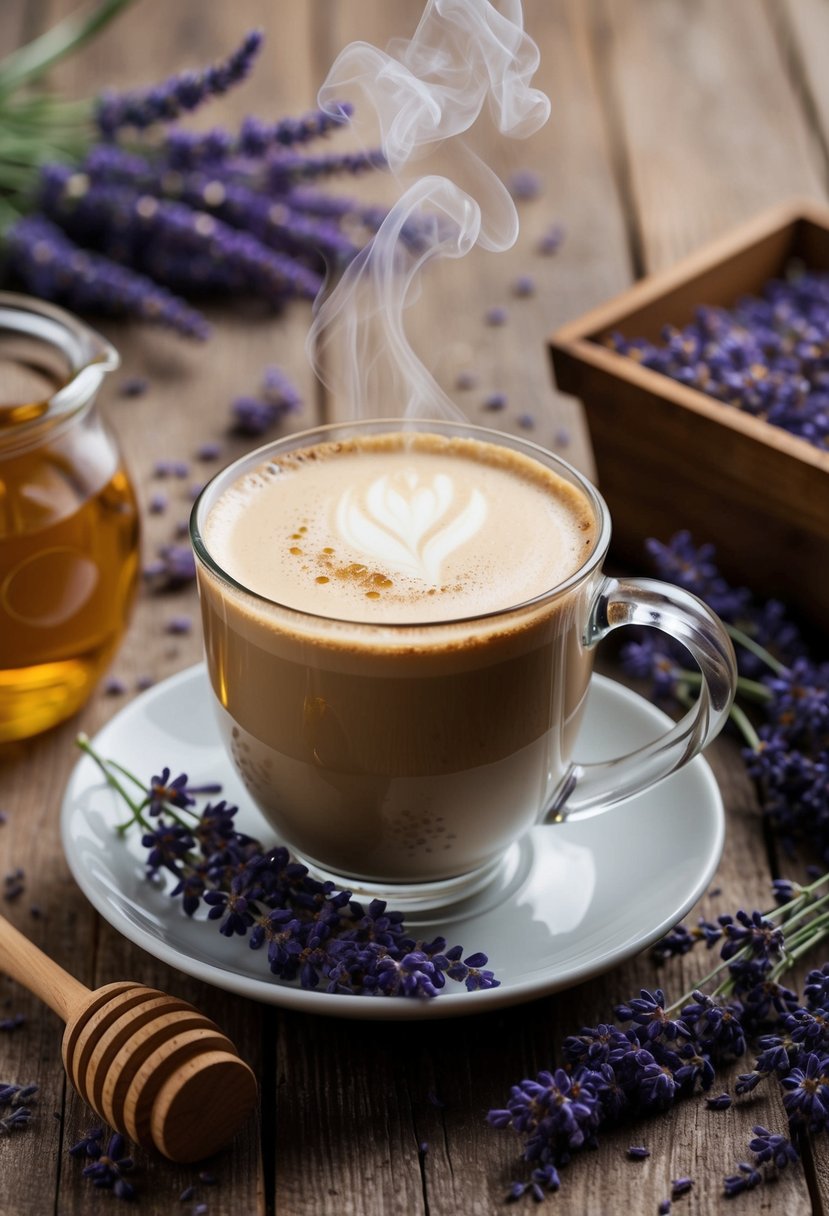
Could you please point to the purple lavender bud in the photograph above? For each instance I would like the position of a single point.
(466, 380)
(251, 416)
(551, 241)
(179, 625)
(134, 386)
(526, 421)
(4, 818)
(210, 450)
(680, 1186)
(279, 390)
(562, 437)
(184, 92)
(664, 1207)
(497, 315)
(158, 504)
(144, 682)
(638, 1152)
(524, 286)
(495, 401)
(524, 184)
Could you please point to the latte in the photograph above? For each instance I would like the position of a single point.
(401, 527)
(396, 686)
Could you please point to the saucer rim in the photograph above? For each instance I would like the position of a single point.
(272, 991)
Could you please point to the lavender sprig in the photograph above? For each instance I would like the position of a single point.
(308, 930)
(787, 752)
(187, 213)
(182, 93)
(55, 268)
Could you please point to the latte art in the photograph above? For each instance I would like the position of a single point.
(401, 527)
(408, 523)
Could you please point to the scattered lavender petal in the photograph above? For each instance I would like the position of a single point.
(144, 682)
(14, 1022)
(158, 504)
(551, 241)
(524, 184)
(524, 286)
(497, 315)
(562, 437)
(423, 1148)
(637, 1152)
(4, 817)
(134, 386)
(495, 401)
(182, 528)
(466, 380)
(664, 1207)
(680, 1186)
(186, 1194)
(526, 421)
(114, 687)
(14, 884)
(209, 451)
(180, 624)
(195, 489)
(721, 1102)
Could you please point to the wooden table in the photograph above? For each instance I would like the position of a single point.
(671, 121)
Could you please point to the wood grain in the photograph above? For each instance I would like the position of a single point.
(670, 122)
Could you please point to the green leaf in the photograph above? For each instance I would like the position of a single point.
(37, 56)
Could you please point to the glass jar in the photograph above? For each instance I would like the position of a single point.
(69, 533)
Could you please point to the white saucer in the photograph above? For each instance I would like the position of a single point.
(571, 900)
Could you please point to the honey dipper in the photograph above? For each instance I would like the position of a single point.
(152, 1066)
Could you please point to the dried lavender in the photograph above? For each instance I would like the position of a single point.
(788, 752)
(653, 1052)
(278, 397)
(15, 1111)
(129, 228)
(768, 356)
(307, 930)
(105, 1166)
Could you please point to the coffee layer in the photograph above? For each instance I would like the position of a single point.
(401, 527)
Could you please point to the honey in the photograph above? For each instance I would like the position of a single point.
(68, 529)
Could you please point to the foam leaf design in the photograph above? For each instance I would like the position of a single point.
(409, 523)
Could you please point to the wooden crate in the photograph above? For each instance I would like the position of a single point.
(669, 457)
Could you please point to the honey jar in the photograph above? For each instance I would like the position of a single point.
(69, 530)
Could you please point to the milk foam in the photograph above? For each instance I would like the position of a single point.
(400, 527)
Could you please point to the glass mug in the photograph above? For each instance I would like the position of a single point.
(68, 517)
(402, 760)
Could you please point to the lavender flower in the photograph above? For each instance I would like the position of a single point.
(50, 265)
(308, 929)
(185, 150)
(767, 356)
(180, 94)
(256, 415)
(107, 1166)
(15, 1112)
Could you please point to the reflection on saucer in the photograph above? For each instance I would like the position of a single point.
(558, 890)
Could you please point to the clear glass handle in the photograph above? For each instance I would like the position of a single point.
(589, 789)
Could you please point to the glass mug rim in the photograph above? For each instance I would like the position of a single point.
(226, 476)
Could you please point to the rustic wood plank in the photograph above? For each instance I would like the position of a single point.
(190, 389)
(802, 30)
(709, 123)
(356, 1102)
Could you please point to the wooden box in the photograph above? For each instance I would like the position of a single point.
(669, 457)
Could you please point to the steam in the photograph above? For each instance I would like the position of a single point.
(464, 54)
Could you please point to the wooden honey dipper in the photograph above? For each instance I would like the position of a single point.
(152, 1066)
